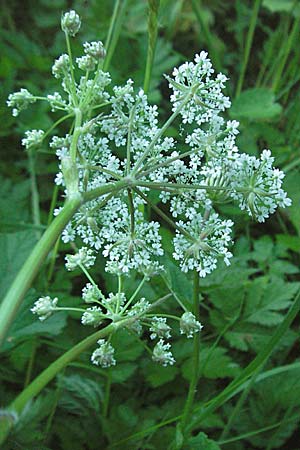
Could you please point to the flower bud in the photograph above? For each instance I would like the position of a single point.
(162, 355)
(61, 66)
(104, 355)
(84, 257)
(92, 316)
(70, 23)
(33, 138)
(160, 328)
(20, 100)
(189, 325)
(86, 62)
(91, 294)
(44, 307)
(95, 49)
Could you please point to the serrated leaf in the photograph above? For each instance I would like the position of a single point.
(255, 103)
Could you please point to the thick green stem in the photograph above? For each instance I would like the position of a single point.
(22, 282)
(196, 350)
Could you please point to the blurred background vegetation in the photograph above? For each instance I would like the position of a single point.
(256, 44)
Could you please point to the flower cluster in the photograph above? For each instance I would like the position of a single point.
(128, 174)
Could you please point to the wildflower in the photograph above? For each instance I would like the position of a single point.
(61, 66)
(160, 328)
(95, 49)
(86, 62)
(162, 355)
(208, 241)
(70, 23)
(44, 307)
(92, 316)
(104, 355)
(20, 100)
(84, 257)
(189, 325)
(91, 293)
(33, 138)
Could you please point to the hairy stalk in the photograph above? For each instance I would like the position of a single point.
(196, 357)
(153, 7)
(248, 45)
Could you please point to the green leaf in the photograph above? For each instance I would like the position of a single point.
(157, 375)
(281, 5)
(15, 247)
(255, 103)
(213, 364)
(202, 442)
(122, 371)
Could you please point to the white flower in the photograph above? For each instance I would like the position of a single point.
(61, 66)
(84, 257)
(104, 355)
(70, 23)
(189, 325)
(86, 62)
(160, 328)
(209, 239)
(91, 293)
(92, 316)
(20, 100)
(162, 355)
(194, 80)
(44, 307)
(95, 49)
(257, 185)
(33, 138)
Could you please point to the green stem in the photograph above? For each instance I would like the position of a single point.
(208, 36)
(288, 46)
(152, 37)
(30, 364)
(248, 45)
(196, 354)
(114, 31)
(34, 192)
(48, 374)
(22, 282)
(76, 134)
(107, 395)
(160, 132)
(73, 84)
(163, 215)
